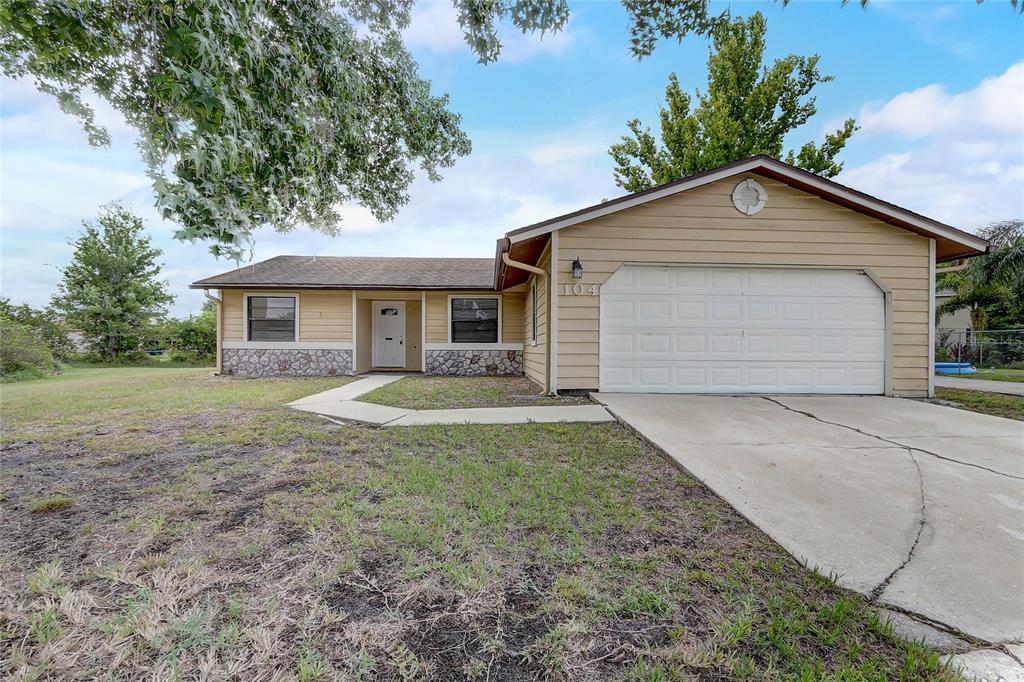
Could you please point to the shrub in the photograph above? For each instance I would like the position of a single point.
(184, 356)
(23, 353)
(46, 323)
(196, 337)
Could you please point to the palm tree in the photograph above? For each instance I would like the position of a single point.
(995, 279)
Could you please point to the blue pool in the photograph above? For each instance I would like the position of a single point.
(954, 368)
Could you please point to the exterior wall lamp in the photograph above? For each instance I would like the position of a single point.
(577, 269)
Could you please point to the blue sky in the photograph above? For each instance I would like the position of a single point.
(937, 87)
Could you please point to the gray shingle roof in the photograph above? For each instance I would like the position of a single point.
(356, 272)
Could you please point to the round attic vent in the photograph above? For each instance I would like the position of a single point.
(749, 197)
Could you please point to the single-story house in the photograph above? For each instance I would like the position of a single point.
(756, 277)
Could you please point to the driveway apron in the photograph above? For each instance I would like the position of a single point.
(919, 506)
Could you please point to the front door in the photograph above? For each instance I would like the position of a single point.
(389, 334)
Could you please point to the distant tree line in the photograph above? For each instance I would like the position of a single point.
(112, 301)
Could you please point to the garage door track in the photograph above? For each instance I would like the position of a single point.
(917, 505)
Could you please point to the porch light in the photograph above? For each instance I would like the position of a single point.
(577, 269)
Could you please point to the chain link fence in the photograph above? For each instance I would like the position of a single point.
(982, 348)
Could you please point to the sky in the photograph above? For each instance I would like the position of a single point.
(937, 89)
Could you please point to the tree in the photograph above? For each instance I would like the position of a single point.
(990, 287)
(111, 291)
(746, 110)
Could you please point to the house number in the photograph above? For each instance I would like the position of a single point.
(578, 289)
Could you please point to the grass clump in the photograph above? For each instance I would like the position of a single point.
(51, 504)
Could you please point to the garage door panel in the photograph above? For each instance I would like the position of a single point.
(733, 330)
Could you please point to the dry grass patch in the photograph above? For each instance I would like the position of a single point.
(270, 544)
(436, 393)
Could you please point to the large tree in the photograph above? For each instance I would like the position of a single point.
(276, 112)
(747, 109)
(111, 291)
(250, 112)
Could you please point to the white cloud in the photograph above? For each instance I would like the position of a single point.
(995, 105)
(32, 117)
(435, 28)
(956, 157)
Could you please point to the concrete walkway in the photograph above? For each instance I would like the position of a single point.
(1007, 387)
(343, 403)
(918, 506)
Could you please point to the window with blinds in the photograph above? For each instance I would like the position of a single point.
(474, 320)
(271, 318)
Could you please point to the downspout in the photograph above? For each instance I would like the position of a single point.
(540, 272)
(206, 293)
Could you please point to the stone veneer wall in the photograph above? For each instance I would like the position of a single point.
(474, 362)
(265, 362)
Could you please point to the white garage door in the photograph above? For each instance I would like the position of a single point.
(676, 329)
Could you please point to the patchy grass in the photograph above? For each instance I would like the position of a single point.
(234, 538)
(141, 396)
(1002, 374)
(49, 504)
(436, 393)
(997, 404)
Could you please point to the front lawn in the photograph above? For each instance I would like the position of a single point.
(992, 374)
(998, 404)
(170, 524)
(438, 393)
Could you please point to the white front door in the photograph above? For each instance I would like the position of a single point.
(389, 334)
(686, 329)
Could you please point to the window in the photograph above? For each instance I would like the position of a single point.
(533, 311)
(271, 318)
(474, 320)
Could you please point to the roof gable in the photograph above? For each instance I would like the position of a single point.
(951, 243)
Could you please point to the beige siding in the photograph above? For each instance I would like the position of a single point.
(413, 332)
(701, 226)
(323, 315)
(364, 337)
(231, 314)
(535, 355)
(511, 315)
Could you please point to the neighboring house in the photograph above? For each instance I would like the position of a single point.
(756, 277)
(959, 322)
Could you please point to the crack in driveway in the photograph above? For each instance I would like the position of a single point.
(921, 523)
(923, 511)
(893, 442)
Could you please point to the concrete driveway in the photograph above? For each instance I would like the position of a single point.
(917, 505)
